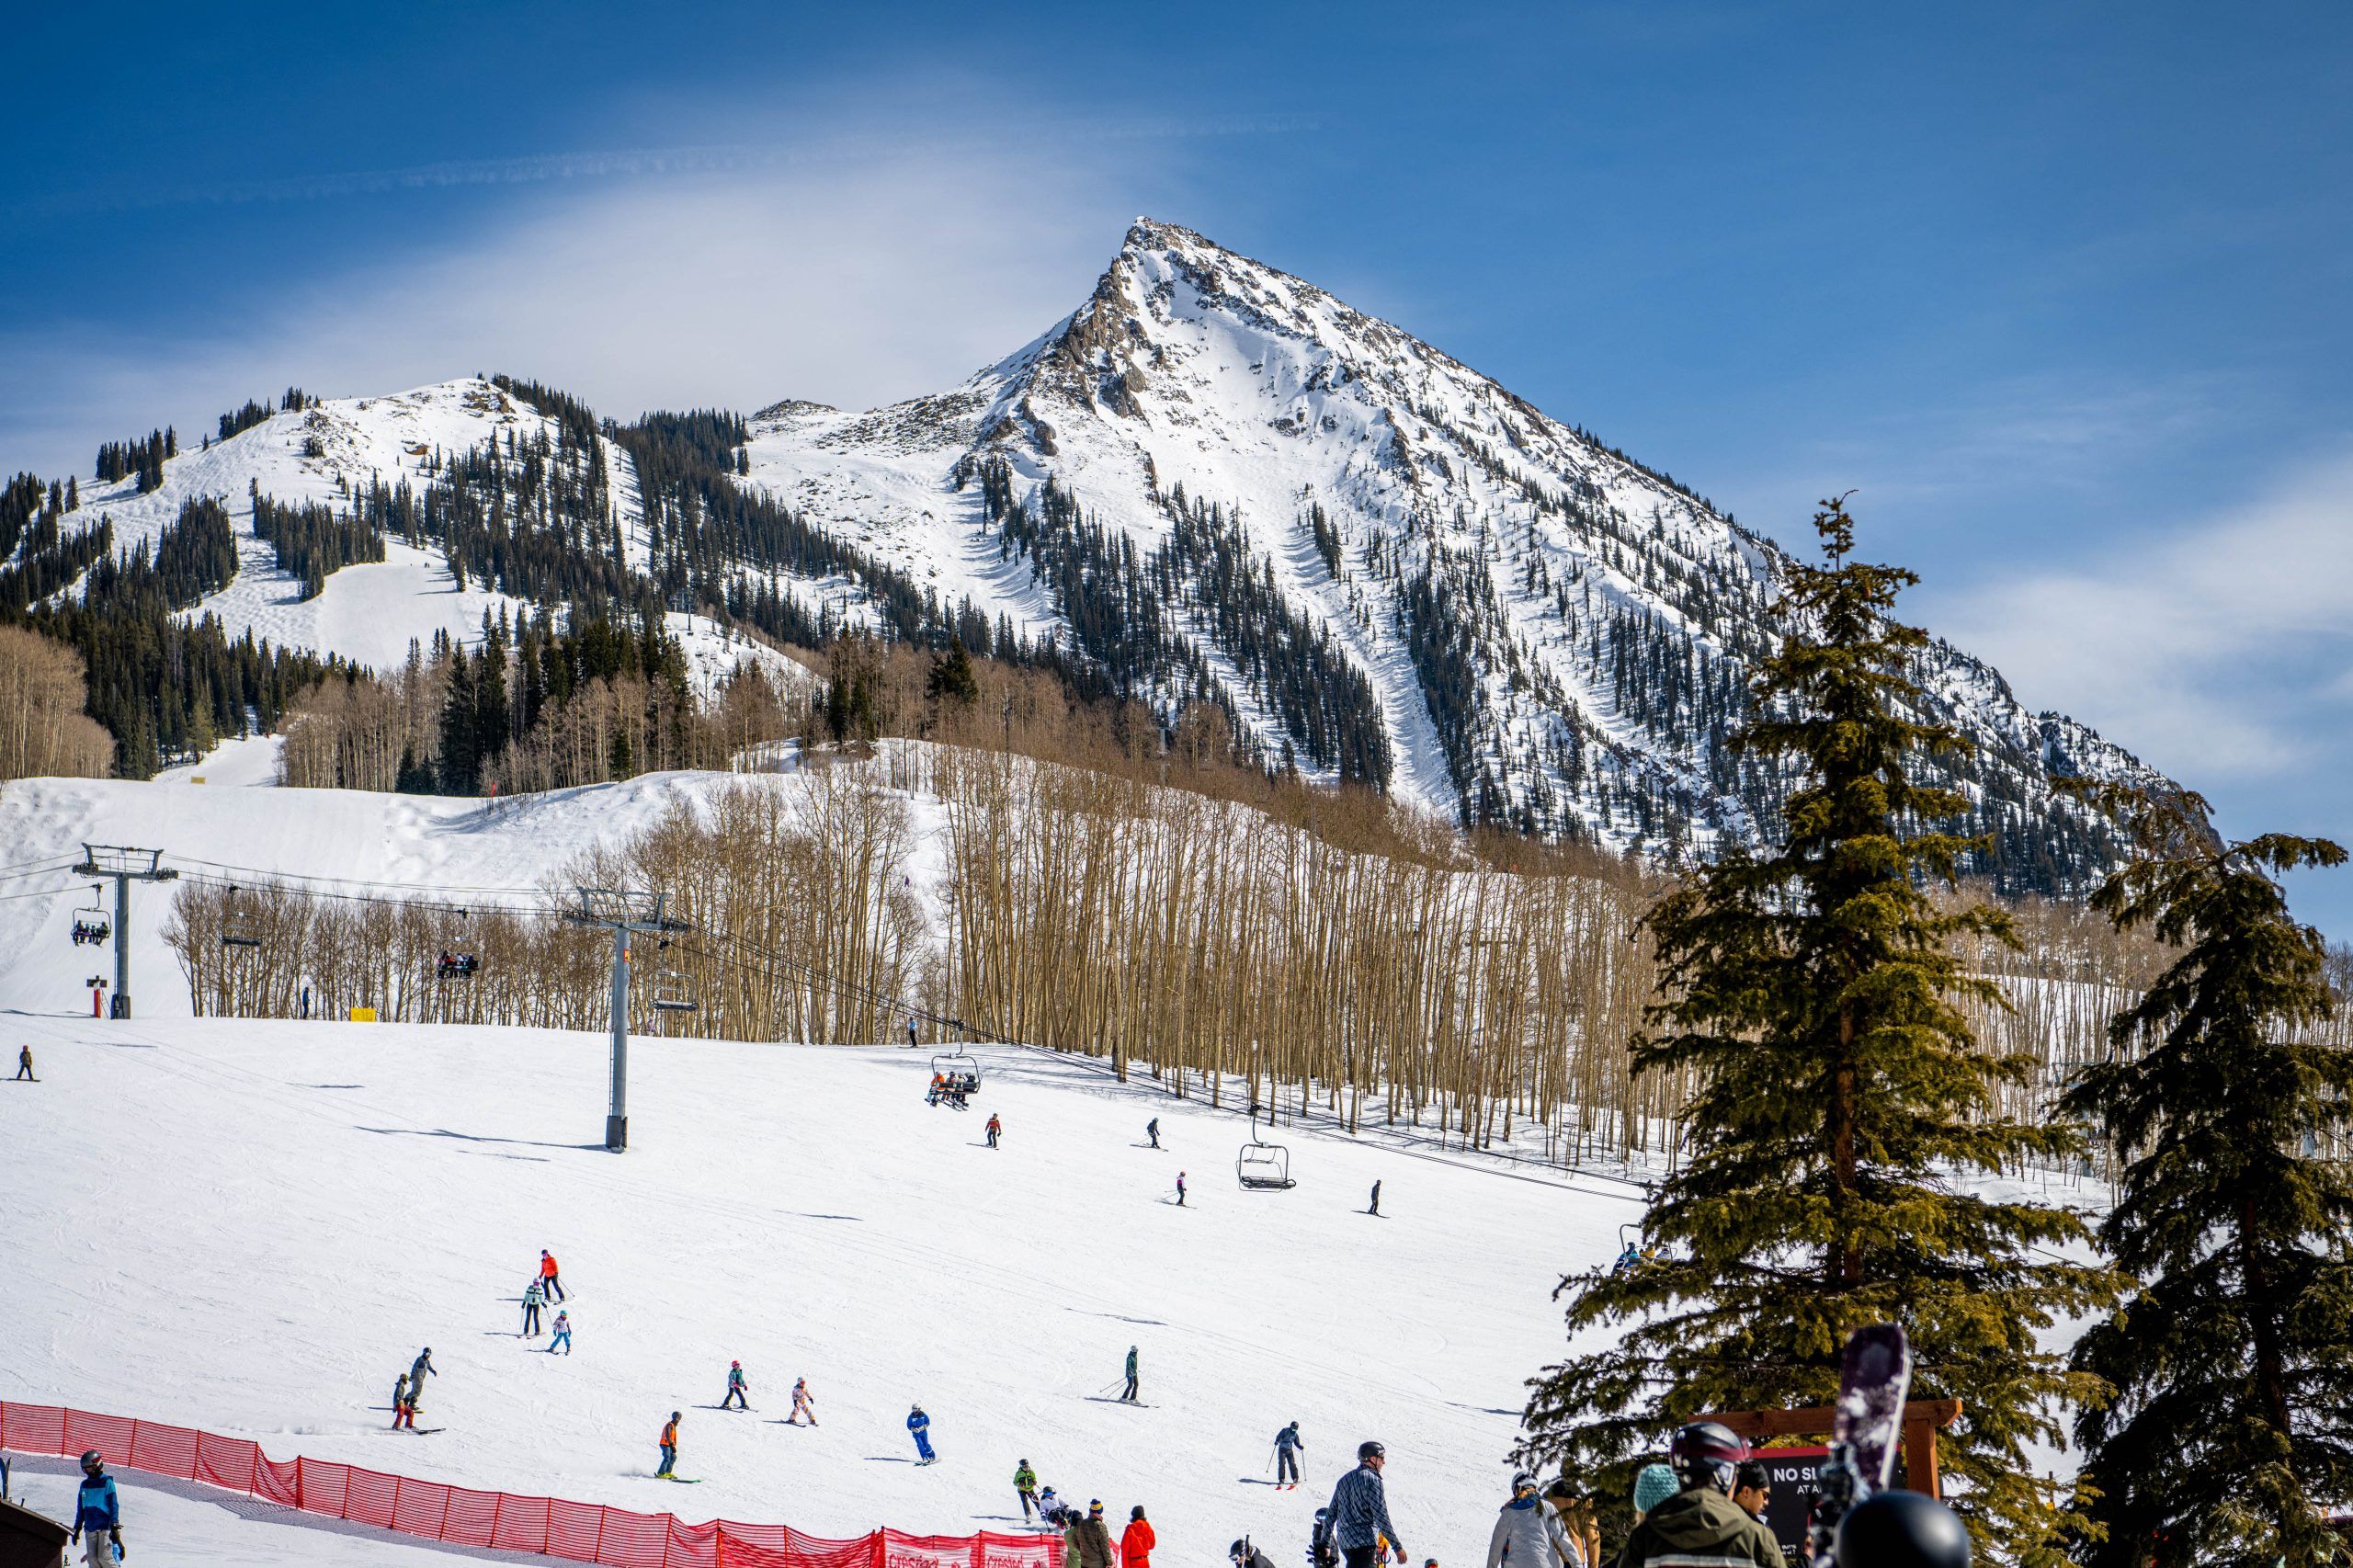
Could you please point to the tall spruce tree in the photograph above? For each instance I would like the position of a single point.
(1838, 1107)
(2232, 1427)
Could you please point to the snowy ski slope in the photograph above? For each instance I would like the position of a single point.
(252, 1226)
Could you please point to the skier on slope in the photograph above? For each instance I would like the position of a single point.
(1129, 1395)
(402, 1416)
(1531, 1531)
(97, 1508)
(1375, 1208)
(1288, 1446)
(1025, 1486)
(919, 1427)
(562, 1337)
(669, 1447)
(550, 1283)
(995, 1128)
(1701, 1521)
(1359, 1510)
(802, 1404)
(1180, 1190)
(418, 1370)
(1152, 1131)
(736, 1388)
(532, 1309)
(25, 1062)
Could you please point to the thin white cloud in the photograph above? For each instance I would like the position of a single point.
(857, 281)
(2217, 652)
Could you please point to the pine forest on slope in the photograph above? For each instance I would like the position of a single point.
(1212, 483)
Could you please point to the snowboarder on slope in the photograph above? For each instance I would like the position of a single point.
(98, 1509)
(1152, 1131)
(1375, 1208)
(1531, 1532)
(1359, 1510)
(919, 1424)
(551, 1284)
(563, 1336)
(735, 1387)
(531, 1310)
(1025, 1486)
(1130, 1395)
(669, 1447)
(418, 1370)
(1137, 1541)
(996, 1127)
(1289, 1445)
(1701, 1520)
(802, 1404)
(25, 1062)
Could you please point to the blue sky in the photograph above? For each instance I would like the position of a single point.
(2063, 292)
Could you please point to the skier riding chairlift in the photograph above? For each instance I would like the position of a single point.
(959, 1069)
(91, 925)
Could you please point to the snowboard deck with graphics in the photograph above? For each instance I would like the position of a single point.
(1872, 1382)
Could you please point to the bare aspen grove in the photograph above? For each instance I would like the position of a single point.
(1231, 950)
(44, 729)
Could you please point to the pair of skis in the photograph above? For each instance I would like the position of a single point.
(1866, 1425)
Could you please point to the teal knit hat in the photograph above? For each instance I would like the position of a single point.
(1653, 1486)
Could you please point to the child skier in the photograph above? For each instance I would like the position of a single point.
(801, 1404)
(401, 1414)
(1180, 1190)
(98, 1509)
(736, 1388)
(562, 1333)
(25, 1062)
(919, 1424)
(531, 1310)
(669, 1447)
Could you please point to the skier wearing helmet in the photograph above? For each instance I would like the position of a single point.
(1359, 1511)
(1700, 1526)
(1529, 1532)
(98, 1509)
(919, 1427)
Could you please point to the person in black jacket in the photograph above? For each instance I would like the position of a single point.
(1246, 1555)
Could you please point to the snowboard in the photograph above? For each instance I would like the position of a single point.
(1866, 1425)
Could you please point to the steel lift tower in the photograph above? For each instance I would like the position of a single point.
(125, 866)
(624, 912)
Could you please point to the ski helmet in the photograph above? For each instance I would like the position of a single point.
(1238, 1550)
(91, 1456)
(1903, 1529)
(1369, 1450)
(1521, 1483)
(1704, 1453)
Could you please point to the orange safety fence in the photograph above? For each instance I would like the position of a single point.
(578, 1532)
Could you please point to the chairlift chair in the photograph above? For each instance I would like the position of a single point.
(457, 960)
(672, 993)
(1263, 1168)
(238, 930)
(91, 925)
(958, 1068)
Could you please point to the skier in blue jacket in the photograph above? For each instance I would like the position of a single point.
(99, 1511)
(920, 1426)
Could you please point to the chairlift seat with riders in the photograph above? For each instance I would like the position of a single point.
(1263, 1168)
(961, 1068)
(457, 964)
(91, 925)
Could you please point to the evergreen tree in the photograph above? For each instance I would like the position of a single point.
(1809, 993)
(2232, 1427)
(460, 759)
(951, 677)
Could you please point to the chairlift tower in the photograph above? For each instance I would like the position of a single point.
(624, 912)
(126, 866)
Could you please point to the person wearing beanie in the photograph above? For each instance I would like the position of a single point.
(1093, 1537)
(1699, 1523)
(1653, 1486)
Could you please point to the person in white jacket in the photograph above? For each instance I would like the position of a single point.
(1528, 1534)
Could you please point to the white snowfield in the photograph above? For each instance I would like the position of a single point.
(251, 1227)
